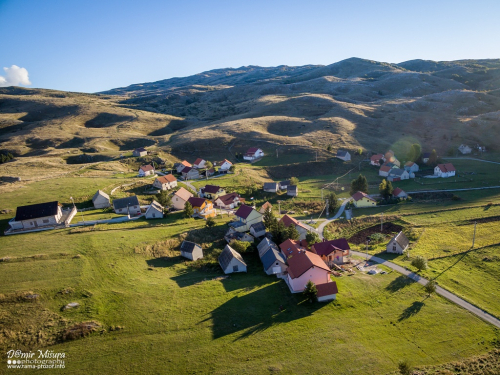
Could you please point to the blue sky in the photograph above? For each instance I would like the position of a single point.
(91, 46)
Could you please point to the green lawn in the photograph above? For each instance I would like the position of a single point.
(177, 319)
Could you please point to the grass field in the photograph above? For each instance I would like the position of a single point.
(176, 319)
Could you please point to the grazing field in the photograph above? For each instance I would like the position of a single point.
(177, 318)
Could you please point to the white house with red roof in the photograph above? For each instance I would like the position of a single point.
(180, 166)
(245, 217)
(301, 228)
(228, 201)
(253, 153)
(166, 182)
(225, 165)
(444, 170)
(304, 266)
(384, 170)
(199, 163)
(327, 291)
(377, 159)
(146, 170)
(399, 193)
(332, 251)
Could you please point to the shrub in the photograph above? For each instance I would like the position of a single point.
(377, 238)
(430, 287)
(420, 263)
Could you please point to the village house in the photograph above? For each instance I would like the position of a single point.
(189, 173)
(464, 149)
(253, 153)
(290, 246)
(265, 245)
(191, 250)
(425, 157)
(266, 206)
(343, 155)
(211, 192)
(208, 172)
(154, 211)
(258, 229)
(274, 262)
(362, 200)
(166, 182)
(399, 193)
(391, 158)
(301, 228)
(127, 206)
(304, 266)
(377, 160)
(180, 166)
(444, 170)
(332, 252)
(245, 216)
(180, 198)
(282, 185)
(384, 170)
(199, 163)
(101, 199)
(225, 166)
(141, 151)
(146, 170)
(233, 234)
(228, 201)
(398, 244)
(411, 167)
(292, 190)
(38, 215)
(231, 261)
(202, 207)
(327, 291)
(397, 174)
(270, 187)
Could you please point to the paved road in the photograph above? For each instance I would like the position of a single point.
(443, 292)
(188, 184)
(322, 226)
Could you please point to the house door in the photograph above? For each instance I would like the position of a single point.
(394, 248)
(235, 268)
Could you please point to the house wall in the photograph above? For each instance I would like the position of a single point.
(390, 248)
(365, 202)
(302, 231)
(382, 173)
(330, 297)
(147, 173)
(101, 202)
(283, 267)
(225, 166)
(257, 234)
(178, 202)
(253, 218)
(235, 262)
(40, 221)
(143, 153)
(153, 214)
(315, 274)
(195, 255)
(133, 210)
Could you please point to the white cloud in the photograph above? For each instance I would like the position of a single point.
(14, 76)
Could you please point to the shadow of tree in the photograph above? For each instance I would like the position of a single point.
(399, 283)
(411, 310)
(259, 310)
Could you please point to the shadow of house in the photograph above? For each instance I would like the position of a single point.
(164, 261)
(257, 311)
(191, 278)
(411, 310)
(399, 283)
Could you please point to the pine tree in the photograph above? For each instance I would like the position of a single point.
(311, 292)
(279, 233)
(388, 189)
(359, 184)
(293, 233)
(188, 210)
(333, 202)
(382, 187)
(312, 238)
(164, 198)
(269, 219)
(294, 181)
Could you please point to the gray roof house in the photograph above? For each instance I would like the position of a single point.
(343, 155)
(292, 190)
(191, 250)
(101, 199)
(284, 184)
(258, 229)
(274, 262)
(265, 245)
(398, 244)
(271, 187)
(128, 205)
(231, 261)
(154, 211)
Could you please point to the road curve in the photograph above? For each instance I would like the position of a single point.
(442, 292)
(322, 226)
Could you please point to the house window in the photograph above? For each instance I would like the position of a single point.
(394, 247)
(235, 268)
(154, 215)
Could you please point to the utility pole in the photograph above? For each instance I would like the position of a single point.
(316, 155)
(321, 194)
(474, 238)
(381, 222)
(276, 153)
(326, 202)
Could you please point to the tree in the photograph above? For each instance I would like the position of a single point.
(210, 222)
(414, 152)
(294, 181)
(420, 263)
(311, 292)
(188, 210)
(359, 184)
(431, 287)
(433, 158)
(293, 233)
(208, 165)
(404, 367)
(279, 232)
(385, 189)
(239, 246)
(329, 148)
(269, 219)
(312, 238)
(232, 168)
(333, 202)
(164, 198)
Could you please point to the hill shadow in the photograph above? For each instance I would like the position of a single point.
(399, 283)
(411, 310)
(105, 120)
(257, 311)
(172, 127)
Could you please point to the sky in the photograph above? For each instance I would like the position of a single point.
(92, 46)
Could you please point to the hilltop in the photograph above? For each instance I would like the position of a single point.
(354, 103)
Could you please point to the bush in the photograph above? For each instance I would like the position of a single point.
(455, 198)
(377, 238)
(420, 263)
(404, 367)
(430, 287)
